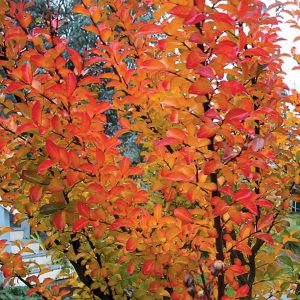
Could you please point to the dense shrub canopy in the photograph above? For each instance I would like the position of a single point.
(200, 84)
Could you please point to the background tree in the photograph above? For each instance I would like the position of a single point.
(201, 85)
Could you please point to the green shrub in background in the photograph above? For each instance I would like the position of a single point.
(16, 293)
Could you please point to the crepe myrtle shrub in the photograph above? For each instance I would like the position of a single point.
(199, 85)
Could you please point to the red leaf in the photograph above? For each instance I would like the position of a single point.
(36, 113)
(52, 149)
(131, 267)
(150, 29)
(26, 73)
(236, 114)
(15, 85)
(148, 267)
(206, 71)
(44, 166)
(247, 198)
(265, 221)
(79, 224)
(24, 18)
(266, 237)
(118, 223)
(76, 60)
(207, 130)
(131, 244)
(195, 16)
(237, 269)
(220, 206)
(167, 141)
(25, 128)
(211, 166)
(59, 220)
(83, 209)
(243, 247)
(201, 87)
(100, 158)
(243, 194)
(71, 83)
(232, 87)
(35, 193)
(183, 214)
(257, 51)
(264, 203)
(257, 143)
(243, 291)
(7, 271)
(228, 49)
(222, 17)
(125, 165)
(227, 190)
(195, 58)
(124, 122)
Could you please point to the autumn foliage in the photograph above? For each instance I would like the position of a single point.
(201, 83)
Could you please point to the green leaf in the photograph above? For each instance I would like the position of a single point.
(286, 260)
(52, 208)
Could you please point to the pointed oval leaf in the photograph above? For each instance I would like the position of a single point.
(183, 214)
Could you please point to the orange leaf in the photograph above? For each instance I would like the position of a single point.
(157, 212)
(153, 65)
(131, 244)
(150, 29)
(201, 87)
(35, 193)
(80, 9)
(243, 247)
(183, 214)
(24, 19)
(7, 271)
(181, 173)
(59, 220)
(42, 61)
(176, 133)
(89, 80)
